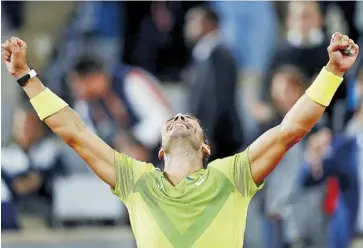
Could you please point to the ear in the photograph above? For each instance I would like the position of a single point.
(161, 154)
(206, 149)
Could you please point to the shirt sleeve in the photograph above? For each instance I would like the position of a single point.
(238, 169)
(128, 171)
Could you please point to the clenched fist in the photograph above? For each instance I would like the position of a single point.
(342, 54)
(14, 54)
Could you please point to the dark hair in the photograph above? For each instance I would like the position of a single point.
(86, 64)
(209, 13)
(206, 156)
(205, 140)
(296, 76)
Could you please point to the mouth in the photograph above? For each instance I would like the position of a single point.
(178, 124)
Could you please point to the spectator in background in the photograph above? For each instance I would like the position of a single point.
(13, 13)
(292, 217)
(349, 10)
(354, 127)
(125, 105)
(28, 167)
(338, 158)
(246, 26)
(159, 45)
(305, 48)
(95, 27)
(213, 89)
(9, 218)
(250, 29)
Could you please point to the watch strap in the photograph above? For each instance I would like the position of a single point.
(23, 80)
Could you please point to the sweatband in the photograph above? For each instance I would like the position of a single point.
(324, 87)
(46, 103)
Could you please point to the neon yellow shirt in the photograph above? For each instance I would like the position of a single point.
(205, 210)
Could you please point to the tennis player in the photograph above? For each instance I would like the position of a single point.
(188, 204)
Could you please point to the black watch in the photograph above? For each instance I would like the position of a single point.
(23, 80)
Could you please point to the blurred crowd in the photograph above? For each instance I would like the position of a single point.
(126, 67)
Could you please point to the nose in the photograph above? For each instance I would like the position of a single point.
(181, 116)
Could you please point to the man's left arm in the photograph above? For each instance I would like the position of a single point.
(267, 151)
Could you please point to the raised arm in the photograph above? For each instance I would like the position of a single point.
(267, 151)
(59, 117)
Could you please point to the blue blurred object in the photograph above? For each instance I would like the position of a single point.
(250, 28)
(340, 162)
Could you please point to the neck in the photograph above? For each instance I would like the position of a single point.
(182, 162)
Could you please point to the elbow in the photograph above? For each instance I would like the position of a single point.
(71, 138)
(291, 133)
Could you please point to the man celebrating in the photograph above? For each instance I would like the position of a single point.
(187, 205)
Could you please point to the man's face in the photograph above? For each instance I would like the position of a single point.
(304, 17)
(182, 127)
(284, 92)
(193, 30)
(88, 87)
(27, 128)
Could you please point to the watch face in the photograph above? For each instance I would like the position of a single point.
(22, 81)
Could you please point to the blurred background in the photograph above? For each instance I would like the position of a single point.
(125, 67)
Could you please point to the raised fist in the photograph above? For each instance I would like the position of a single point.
(342, 54)
(14, 54)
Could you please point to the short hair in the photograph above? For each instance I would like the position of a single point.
(294, 73)
(86, 64)
(205, 140)
(209, 14)
(206, 156)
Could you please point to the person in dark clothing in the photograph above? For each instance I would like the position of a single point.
(155, 40)
(304, 47)
(340, 160)
(348, 9)
(213, 90)
(29, 166)
(14, 12)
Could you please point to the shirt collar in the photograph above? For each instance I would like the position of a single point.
(205, 46)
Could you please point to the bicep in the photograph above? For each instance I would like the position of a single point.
(266, 152)
(94, 151)
(97, 154)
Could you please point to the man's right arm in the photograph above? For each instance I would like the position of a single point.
(68, 125)
(65, 122)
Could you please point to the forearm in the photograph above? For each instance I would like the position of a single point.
(301, 119)
(68, 125)
(65, 123)
(308, 109)
(267, 151)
